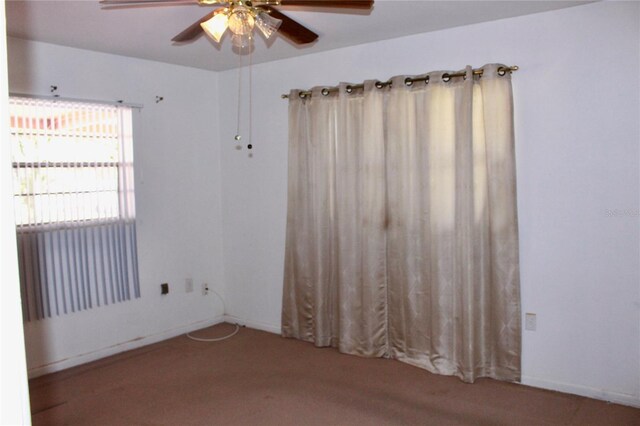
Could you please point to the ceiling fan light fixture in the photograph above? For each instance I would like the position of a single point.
(216, 26)
(241, 41)
(267, 24)
(241, 21)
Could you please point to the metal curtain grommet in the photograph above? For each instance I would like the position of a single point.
(408, 81)
(502, 71)
(348, 89)
(324, 91)
(379, 85)
(302, 95)
(426, 80)
(446, 77)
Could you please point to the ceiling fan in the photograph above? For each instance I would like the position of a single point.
(241, 16)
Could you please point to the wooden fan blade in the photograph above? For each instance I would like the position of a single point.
(291, 29)
(337, 4)
(194, 30)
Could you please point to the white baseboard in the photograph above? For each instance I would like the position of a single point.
(615, 397)
(120, 347)
(252, 324)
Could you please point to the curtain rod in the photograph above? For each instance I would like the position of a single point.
(60, 98)
(408, 80)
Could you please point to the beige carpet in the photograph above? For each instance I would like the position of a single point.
(258, 378)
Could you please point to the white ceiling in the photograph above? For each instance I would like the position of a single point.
(146, 32)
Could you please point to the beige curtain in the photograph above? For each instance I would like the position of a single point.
(402, 236)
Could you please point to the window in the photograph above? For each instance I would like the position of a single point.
(74, 204)
(66, 161)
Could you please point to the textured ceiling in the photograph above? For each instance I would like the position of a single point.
(146, 32)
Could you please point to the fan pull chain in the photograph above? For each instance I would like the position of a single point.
(238, 137)
(250, 146)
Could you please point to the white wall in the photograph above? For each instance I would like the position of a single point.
(577, 135)
(177, 170)
(14, 391)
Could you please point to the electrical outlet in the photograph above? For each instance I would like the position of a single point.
(530, 321)
(205, 289)
(188, 285)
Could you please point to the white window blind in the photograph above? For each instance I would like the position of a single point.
(74, 205)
